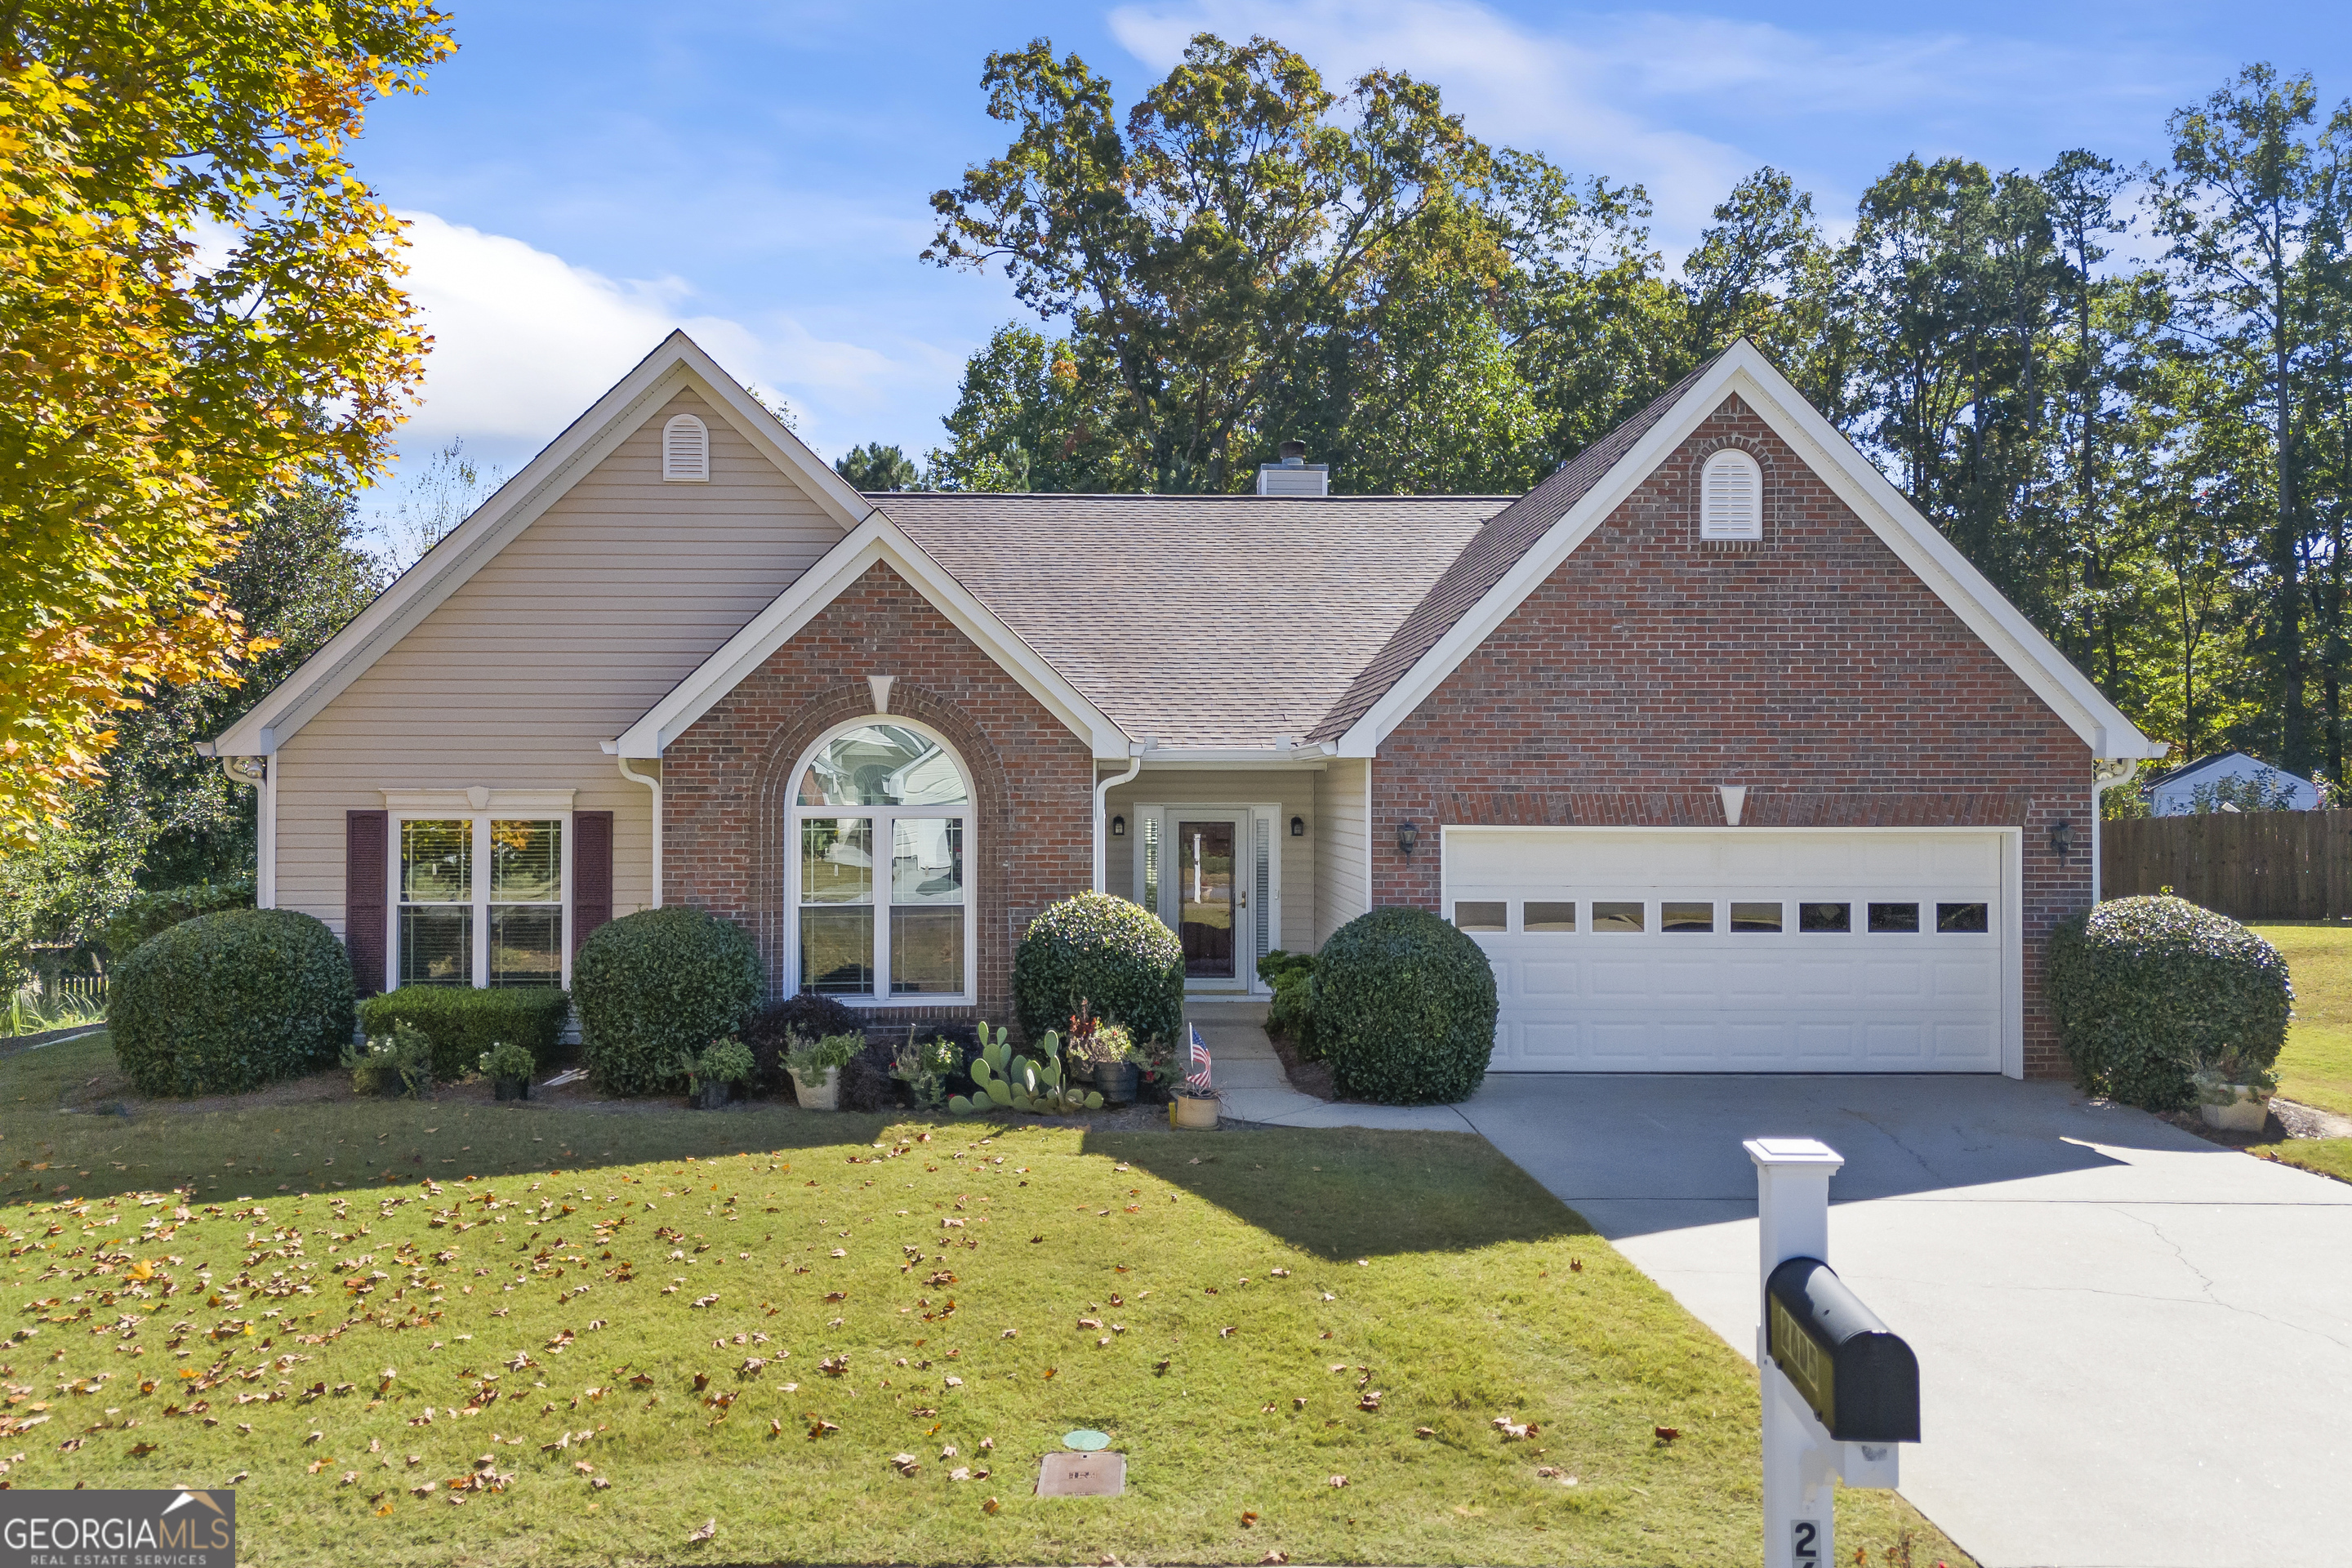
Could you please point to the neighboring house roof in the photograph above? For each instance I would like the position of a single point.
(1497, 547)
(1200, 620)
(2227, 763)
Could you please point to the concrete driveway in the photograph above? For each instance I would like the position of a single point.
(2134, 1346)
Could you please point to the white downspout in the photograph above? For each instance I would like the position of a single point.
(2102, 781)
(1102, 793)
(654, 784)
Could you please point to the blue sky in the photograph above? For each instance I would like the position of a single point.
(583, 176)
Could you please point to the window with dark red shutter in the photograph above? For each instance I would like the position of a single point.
(365, 910)
(592, 873)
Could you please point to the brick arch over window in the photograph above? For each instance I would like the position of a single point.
(727, 789)
(772, 787)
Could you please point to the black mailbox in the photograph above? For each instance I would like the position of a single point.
(1860, 1380)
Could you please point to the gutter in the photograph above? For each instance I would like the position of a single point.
(613, 749)
(2102, 779)
(1102, 790)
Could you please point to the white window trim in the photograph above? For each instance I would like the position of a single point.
(507, 806)
(882, 816)
(1730, 458)
(674, 472)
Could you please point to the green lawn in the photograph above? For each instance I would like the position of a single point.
(2316, 1065)
(637, 1322)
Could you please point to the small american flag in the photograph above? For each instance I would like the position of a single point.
(1198, 1079)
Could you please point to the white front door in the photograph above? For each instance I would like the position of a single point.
(1211, 874)
(1743, 950)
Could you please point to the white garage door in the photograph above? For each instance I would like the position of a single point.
(1739, 949)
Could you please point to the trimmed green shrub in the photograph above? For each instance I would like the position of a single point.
(1102, 950)
(164, 908)
(463, 1022)
(1404, 1007)
(229, 1001)
(2147, 992)
(656, 986)
(810, 1016)
(1292, 1012)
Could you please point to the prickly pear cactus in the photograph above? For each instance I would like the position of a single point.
(1032, 1085)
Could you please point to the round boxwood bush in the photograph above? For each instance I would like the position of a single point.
(227, 1002)
(658, 986)
(2147, 991)
(1107, 951)
(1404, 1008)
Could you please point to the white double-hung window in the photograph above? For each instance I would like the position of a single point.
(881, 830)
(480, 900)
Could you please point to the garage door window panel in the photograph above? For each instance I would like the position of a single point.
(1617, 915)
(1825, 917)
(1894, 920)
(1755, 917)
(1683, 916)
(1976, 918)
(1548, 917)
(1482, 915)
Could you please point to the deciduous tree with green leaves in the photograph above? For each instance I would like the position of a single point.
(198, 309)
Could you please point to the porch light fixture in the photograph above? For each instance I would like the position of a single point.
(1298, 827)
(1407, 837)
(1118, 828)
(2061, 840)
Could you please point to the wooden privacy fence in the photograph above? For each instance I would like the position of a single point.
(2249, 866)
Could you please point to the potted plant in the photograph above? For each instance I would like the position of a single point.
(711, 1077)
(2234, 1095)
(1192, 1108)
(925, 1068)
(1117, 1061)
(508, 1066)
(398, 1065)
(815, 1067)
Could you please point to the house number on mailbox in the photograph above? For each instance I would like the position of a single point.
(1805, 1543)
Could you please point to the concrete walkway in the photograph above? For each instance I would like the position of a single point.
(2136, 1346)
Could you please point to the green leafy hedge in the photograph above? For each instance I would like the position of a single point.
(2147, 991)
(1404, 1008)
(161, 909)
(1105, 950)
(462, 1022)
(1292, 1012)
(229, 1001)
(658, 986)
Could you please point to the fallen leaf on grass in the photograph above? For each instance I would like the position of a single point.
(991, 1506)
(1272, 1558)
(1248, 1518)
(1418, 1431)
(709, 1527)
(1667, 1434)
(1339, 1480)
(905, 1464)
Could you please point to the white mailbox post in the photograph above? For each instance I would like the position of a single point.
(1839, 1391)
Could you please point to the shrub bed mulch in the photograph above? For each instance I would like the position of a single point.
(1306, 1077)
(2303, 1136)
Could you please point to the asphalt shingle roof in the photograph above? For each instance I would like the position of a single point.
(1499, 545)
(1200, 620)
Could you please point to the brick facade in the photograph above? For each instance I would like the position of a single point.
(727, 790)
(1814, 668)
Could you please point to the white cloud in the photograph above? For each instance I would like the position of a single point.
(1667, 100)
(525, 341)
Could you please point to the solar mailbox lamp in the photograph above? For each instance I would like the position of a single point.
(1840, 1391)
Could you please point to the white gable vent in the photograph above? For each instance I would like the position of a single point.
(686, 449)
(1294, 476)
(1731, 497)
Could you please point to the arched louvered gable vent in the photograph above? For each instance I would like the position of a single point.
(1731, 497)
(686, 449)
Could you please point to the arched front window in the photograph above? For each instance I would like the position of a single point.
(880, 900)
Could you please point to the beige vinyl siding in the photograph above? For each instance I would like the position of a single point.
(560, 642)
(1341, 885)
(1291, 789)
